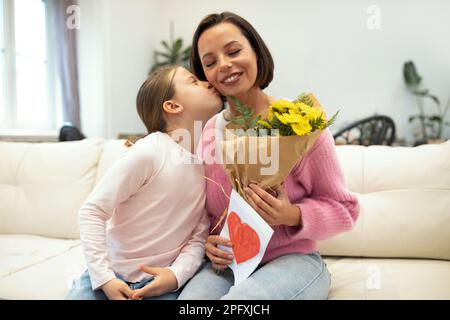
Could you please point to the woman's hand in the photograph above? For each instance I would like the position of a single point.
(220, 259)
(164, 282)
(276, 211)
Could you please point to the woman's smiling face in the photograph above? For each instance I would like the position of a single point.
(228, 60)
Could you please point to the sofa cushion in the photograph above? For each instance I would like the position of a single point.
(405, 202)
(19, 252)
(112, 151)
(371, 279)
(42, 186)
(45, 271)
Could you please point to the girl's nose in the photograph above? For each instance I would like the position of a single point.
(206, 84)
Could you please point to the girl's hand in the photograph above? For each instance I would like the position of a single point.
(117, 289)
(164, 282)
(276, 211)
(220, 259)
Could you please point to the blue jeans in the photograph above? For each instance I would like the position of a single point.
(82, 290)
(290, 277)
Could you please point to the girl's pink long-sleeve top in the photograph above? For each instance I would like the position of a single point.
(316, 185)
(149, 209)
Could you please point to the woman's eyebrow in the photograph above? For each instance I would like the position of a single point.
(230, 43)
(225, 46)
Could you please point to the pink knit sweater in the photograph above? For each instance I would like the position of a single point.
(316, 185)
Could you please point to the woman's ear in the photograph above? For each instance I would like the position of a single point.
(171, 107)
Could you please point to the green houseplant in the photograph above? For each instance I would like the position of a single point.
(172, 53)
(431, 125)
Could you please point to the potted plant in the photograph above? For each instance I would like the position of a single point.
(173, 53)
(431, 126)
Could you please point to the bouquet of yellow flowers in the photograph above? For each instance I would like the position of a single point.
(264, 150)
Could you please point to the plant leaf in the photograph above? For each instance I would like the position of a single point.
(410, 74)
(165, 45)
(435, 118)
(422, 93)
(434, 98)
(162, 54)
(411, 118)
(332, 119)
(238, 120)
(177, 46)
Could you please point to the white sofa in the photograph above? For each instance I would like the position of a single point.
(399, 248)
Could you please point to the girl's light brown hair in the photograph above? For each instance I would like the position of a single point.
(264, 58)
(151, 96)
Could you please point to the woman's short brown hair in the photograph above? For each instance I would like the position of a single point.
(264, 58)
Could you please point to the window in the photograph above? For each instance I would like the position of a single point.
(26, 100)
(2, 67)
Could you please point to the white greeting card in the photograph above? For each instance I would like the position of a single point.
(249, 234)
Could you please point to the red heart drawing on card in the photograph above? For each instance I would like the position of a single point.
(244, 238)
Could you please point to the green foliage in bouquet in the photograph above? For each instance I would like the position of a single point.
(285, 118)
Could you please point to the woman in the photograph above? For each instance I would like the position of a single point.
(313, 202)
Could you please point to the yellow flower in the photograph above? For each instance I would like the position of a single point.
(293, 117)
(281, 105)
(301, 105)
(280, 117)
(311, 112)
(265, 124)
(301, 128)
(270, 116)
(297, 115)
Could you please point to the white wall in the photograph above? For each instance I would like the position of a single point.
(319, 46)
(116, 44)
(92, 66)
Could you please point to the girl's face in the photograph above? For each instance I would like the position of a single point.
(199, 99)
(228, 60)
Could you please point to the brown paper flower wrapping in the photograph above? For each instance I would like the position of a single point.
(246, 158)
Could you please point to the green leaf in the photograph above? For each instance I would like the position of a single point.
(165, 45)
(435, 118)
(235, 100)
(411, 118)
(177, 46)
(305, 99)
(245, 115)
(434, 98)
(410, 74)
(316, 123)
(247, 112)
(422, 93)
(162, 54)
(254, 122)
(171, 55)
(238, 121)
(332, 119)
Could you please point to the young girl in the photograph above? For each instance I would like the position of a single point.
(144, 226)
